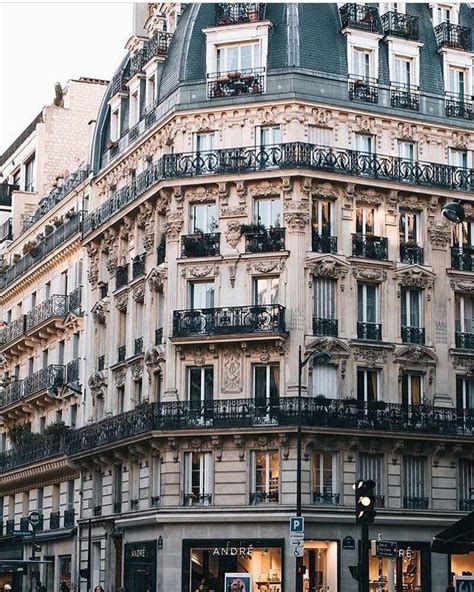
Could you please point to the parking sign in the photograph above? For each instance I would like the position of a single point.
(296, 524)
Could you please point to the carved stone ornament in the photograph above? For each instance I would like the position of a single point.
(412, 202)
(439, 233)
(232, 267)
(462, 285)
(202, 194)
(465, 363)
(365, 124)
(370, 356)
(156, 278)
(233, 212)
(233, 233)
(266, 189)
(137, 370)
(120, 376)
(138, 292)
(369, 196)
(149, 237)
(97, 384)
(174, 225)
(121, 301)
(144, 214)
(416, 277)
(328, 268)
(296, 220)
(460, 140)
(154, 358)
(93, 272)
(266, 266)
(200, 271)
(373, 274)
(326, 190)
(415, 355)
(232, 371)
(99, 311)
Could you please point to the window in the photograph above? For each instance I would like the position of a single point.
(75, 345)
(414, 482)
(16, 175)
(458, 158)
(323, 471)
(324, 381)
(238, 58)
(464, 394)
(464, 314)
(320, 136)
(45, 358)
(403, 71)
(31, 365)
(201, 294)
(138, 391)
(40, 499)
(197, 478)
(365, 220)
(120, 399)
(30, 174)
(203, 218)
(463, 235)
(364, 143)
(371, 467)
(61, 347)
(115, 125)
(266, 385)
(59, 416)
(266, 290)
(73, 416)
(70, 494)
(412, 389)
(270, 136)
(55, 497)
(134, 113)
(457, 82)
(32, 300)
(367, 385)
(47, 290)
(322, 217)
(117, 487)
(367, 303)
(361, 63)
(466, 484)
(97, 489)
(325, 298)
(407, 151)
(64, 282)
(200, 386)
(268, 212)
(408, 227)
(150, 91)
(155, 486)
(411, 307)
(443, 14)
(265, 477)
(42, 424)
(204, 142)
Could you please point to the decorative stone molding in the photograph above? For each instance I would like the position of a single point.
(216, 443)
(231, 361)
(284, 445)
(460, 141)
(149, 237)
(157, 278)
(373, 274)
(232, 267)
(462, 285)
(415, 277)
(296, 221)
(328, 267)
(145, 212)
(370, 356)
(92, 250)
(200, 271)
(99, 311)
(240, 445)
(120, 376)
(233, 233)
(266, 266)
(97, 384)
(121, 301)
(369, 196)
(325, 190)
(266, 189)
(138, 292)
(233, 212)
(411, 202)
(415, 355)
(202, 194)
(154, 360)
(439, 233)
(136, 370)
(174, 225)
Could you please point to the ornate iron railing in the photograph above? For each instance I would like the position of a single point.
(54, 306)
(399, 24)
(138, 346)
(138, 265)
(75, 300)
(462, 258)
(12, 331)
(363, 89)
(69, 518)
(464, 340)
(200, 244)
(52, 376)
(42, 249)
(413, 335)
(459, 106)
(191, 499)
(229, 320)
(328, 327)
(259, 497)
(404, 96)
(412, 254)
(369, 246)
(323, 243)
(325, 497)
(121, 353)
(249, 81)
(267, 240)
(121, 277)
(6, 230)
(233, 13)
(359, 16)
(34, 451)
(57, 194)
(415, 503)
(72, 371)
(369, 331)
(54, 519)
(453, 36)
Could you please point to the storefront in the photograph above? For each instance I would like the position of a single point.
(409, 572)
(462, 565)
(321, 562)
(235, 565)
(11, 573)
(140, 566)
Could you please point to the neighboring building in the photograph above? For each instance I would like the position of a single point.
(265, 177)
(41, 345)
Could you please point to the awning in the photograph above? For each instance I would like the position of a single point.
(457, 539)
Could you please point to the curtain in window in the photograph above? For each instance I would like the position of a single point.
(468, 315)
(371, 468)
(414, 476)
(325, 381)
(324, 298)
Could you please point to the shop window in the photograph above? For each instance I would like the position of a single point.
(409, 572)
(65, 573)
(462, 565)
(323, 469)
(140, 566)
(414, 488)
(265, 477)
(197, 478)
(320, 561)
(371, 467)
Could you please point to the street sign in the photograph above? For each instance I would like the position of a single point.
(297, 524)
(22, 533)
(297, 544)
(34, 518)
(348, 543)
(387, 549)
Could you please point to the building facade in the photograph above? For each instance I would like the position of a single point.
(265, 178)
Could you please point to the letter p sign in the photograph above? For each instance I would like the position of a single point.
(297, 524)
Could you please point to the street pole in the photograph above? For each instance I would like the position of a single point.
(33, 555)
(89, 556)
(364, 549)
(299, 560)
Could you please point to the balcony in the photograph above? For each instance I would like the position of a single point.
(6, 190)
(75, 300)
(265, 240)
(229, 321)
(40, 250)
(121, 277)
(323, 243)
(121, 354)
(234, 13)
(326, 327)
(405, 96)
(138, 266)
(413, 335)
(369, 331)
(13, 331)
(363, 89)
(399, 24)
(6, 230)
(459, 106)
(415, 503)
(49, 378)
(193, 499)
(453, 36)
(200, 245)
(326, 498)
(358, 16)
(464, 340)
(462, 258)
(138, 346)
(412, 254)
(370, 247)
(261, 497)
(44, 315)
(72, 371)
(54, 519)
(250, 81)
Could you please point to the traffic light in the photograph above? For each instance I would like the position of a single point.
(355, 571)
(365, 502)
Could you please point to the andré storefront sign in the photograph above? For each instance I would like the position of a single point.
(233, 551)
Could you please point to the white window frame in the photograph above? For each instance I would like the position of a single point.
(416, 215)
(319, 487)
(192, 304)
(362, 138)
(364, 303)
(365, 371)
(404, 147)
(318, 206)
(461, 299)
(414, 469)
(409, 376)
(253, 477)
(405, 294)
(458, 233)
(202, 380)
(225, 64)
(375, 467)
(205, 475)
(271, 289)
(210, 213)
(273, 201)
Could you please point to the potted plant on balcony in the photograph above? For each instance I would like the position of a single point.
(48, 229)
(16, 257)
(253, 228)
(111, 144)
(253, 13)
(321, 401)
(29, 248)
(69, 214)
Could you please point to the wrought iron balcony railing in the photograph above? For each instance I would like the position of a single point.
(412, 254)
(42, 249)
(54, 306)
(12, 331)
(54, 519)
(370, 246)
(364, 89)
(232, 13)
(10, 526)
(453, 36)
(250, 81)
(75, 300)
(6, 190)
(138, 266)
(138, 346)
(325, 497)
(466, 505)
(121, 277)
(413, 335)
(459, 106)
(369, 331)
(323, 243)
(72, 371)
(327, 327)
(6, 230)
(415, 503)
(359, 16)
(191, 499)
(38, 449)
(462, 258)
(121, 354)
(260, 497)
(230, 320)
(69, 518)
(200, 245)
(399, 24)
(52, 376)
(267, 240)
(464, 340)
(404, 96)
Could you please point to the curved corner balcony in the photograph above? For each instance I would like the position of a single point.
(229, 323)
(462, 258)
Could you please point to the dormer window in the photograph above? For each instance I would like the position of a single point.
(134, 108)
(361, 63)
(362, 80)
(238, 58)
(115, 125)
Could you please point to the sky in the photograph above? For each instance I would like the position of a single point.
(44, 43)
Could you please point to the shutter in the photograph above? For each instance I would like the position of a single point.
(459, 394)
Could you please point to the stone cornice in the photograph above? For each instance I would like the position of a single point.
(21, 478)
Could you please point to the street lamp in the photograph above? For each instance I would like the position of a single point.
(320, 357)
(454, 212)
